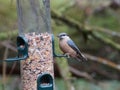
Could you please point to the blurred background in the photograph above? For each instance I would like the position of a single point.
(94, 25)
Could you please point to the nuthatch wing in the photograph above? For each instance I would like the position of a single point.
(69, 48)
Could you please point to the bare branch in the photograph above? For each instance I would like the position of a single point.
(103, 61)
(4, 68)
(7, 44)
(82, 74)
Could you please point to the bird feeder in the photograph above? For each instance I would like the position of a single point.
(34, 25)
(34, 45)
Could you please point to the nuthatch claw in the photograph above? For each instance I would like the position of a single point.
(67, 55)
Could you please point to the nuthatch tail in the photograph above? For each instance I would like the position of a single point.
(69, 48)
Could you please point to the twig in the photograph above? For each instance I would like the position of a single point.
(4, 68)
(106, 41)
(12, 69)
(103, 61)
(104, 30)
(81, 74)
(7, 44)
(105, 73)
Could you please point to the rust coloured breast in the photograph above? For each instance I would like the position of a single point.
(66, 48)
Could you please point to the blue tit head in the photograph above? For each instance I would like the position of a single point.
(62, 36)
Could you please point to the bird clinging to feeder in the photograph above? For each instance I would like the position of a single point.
(69, 48)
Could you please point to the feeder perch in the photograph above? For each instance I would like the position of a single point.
(45, 82)
(53, 47)
(22, 48)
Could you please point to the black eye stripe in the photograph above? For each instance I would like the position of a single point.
(64, 35)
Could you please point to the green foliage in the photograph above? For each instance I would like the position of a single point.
(7, 35)
(108, 20)
(8, 15)
(61, 5)
(85, 85)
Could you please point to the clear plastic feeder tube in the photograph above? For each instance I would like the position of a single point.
(34, 16)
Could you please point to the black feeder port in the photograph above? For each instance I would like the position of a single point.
(45, 82)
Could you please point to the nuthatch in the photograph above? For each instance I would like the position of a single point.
(69, 48)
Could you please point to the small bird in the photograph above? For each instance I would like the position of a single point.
(69, 48)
